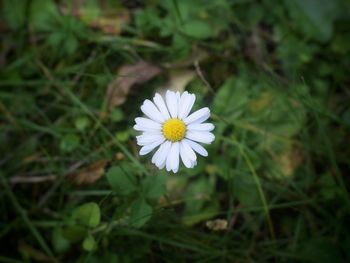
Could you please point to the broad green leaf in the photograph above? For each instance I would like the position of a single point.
(70, 44)
(141, 212)
(81, 123)
(89, 243)
(122, 136)
(59, 243)
(74, 233)
(14, 12)
(294, 52)
(245, 189)
(154, 186)
(122, 183)
(231, 98)
(88, 214)
(198, 194)
(346, 117)
(117, 115)
(206, 213)
(321, 251)
(328, 188)
(197, 29)
(314, 17)
(69, 142)
(43, 15)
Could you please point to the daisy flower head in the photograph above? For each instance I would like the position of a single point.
(169, 126)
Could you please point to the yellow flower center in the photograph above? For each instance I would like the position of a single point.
(174, 130)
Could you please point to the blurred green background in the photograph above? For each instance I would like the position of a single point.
(274, 188)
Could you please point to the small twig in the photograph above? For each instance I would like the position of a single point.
(32, 179)
(22, 213)
(234, 217)
(201, 76)
(52, 190)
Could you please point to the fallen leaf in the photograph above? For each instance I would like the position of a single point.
(90, 174)
(112, 23)
(119, 156)
(99, 17)
(179, 79)
(290, 160)
(217, 224)
(263, 101)
(127, 77)
(30, 252)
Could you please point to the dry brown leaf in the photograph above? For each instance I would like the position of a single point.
(33, 253)
(290, 160)
(127, 77)
(90, 174)
(99, 17)
(179, 79)
(217, 224)
(112, 23)
(119, 156)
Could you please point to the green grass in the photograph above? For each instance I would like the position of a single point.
(277, 87)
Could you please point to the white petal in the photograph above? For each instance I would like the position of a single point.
(197, 147)
(151, 111)
(193, 164)
(147, 139)
(178, 96)
(186, 105)
(145, 123)
(188, 150)
(201, 127)
(183, 99)
(203, 137)
(172, 161)
(172, 103)
(161, 158)
(175, 156)
(198, 116)
(157, 153)
(158, 100)
(152, 132)
(145, 129)
(185, 159)
(148, 148)
(162, 165)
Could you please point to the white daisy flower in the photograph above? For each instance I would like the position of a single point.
(177, 133)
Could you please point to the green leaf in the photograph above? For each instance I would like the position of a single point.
(245, 189)
(141, 212)
(231, 98)
(81, 123)
(69, 142)
(59, 243)
(117, 115)
(122, 136)
(70, 44)
(346, 117)
(154, 186)
(198, 29)
(74, 233)
(14, 12)
(88, 214)
(121, 182)
(43, 15)
(314, 18)
(205, 213)
(89, 243)
(328, 188)
(198, 194)
(321, 251)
